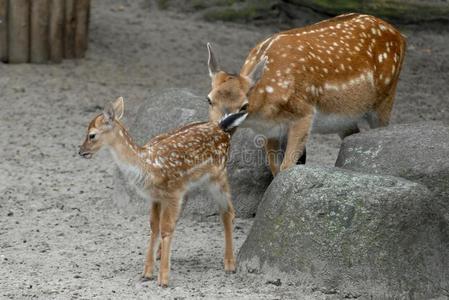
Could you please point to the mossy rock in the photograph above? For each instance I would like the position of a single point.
(349, 233)
(227, 10)
(405, 10)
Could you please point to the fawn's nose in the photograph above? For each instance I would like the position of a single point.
(81, 151)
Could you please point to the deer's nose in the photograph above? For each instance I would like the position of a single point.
(81, 151)
(226, 111)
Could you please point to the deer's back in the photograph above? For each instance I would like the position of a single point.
(189, 151)
(346, 63)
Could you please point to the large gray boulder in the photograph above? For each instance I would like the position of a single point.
(417, 151)
(350, 234)
(166, 109)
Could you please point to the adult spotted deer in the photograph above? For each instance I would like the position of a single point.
(322, 78)
(163, 169)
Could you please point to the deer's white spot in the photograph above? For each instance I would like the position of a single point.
(269, 89)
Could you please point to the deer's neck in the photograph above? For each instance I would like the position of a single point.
(128, 156)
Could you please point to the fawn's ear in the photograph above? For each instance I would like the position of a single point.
(212, 62)
(257, 71)
(118, 106)
(108, 114)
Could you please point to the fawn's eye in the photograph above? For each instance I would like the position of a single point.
(209, 101)
(92, 136)
(244, 107)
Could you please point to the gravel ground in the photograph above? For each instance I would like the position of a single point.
(58, 237)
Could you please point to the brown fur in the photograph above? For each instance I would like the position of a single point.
(165, 166)
(346, 66)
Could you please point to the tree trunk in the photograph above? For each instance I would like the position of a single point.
(39, 31)
(19, 31)
(3, 30)
(56, 32)
(81, 29)
(69, 29)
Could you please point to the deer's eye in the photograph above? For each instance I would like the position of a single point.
(92, 136)
(209, 101)
(244, 107)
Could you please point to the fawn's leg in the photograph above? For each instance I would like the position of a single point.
(227, 216)
(169, 216)
(154, 224)
(298, 133)
(184, 203)
(228, 222)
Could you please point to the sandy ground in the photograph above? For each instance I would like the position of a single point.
(57, 238)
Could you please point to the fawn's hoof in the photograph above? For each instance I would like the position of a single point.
(146, 278)
(163, 283)
(229, 266)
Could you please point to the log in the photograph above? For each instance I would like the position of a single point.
(19, 31)
(39, 31)
(56, 30)
(69, 29)
(81, 29)
(3, 30)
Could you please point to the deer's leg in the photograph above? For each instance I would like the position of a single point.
(380, 117)
(272, 148)
(154, 224)
(384, 110)
(227, 216)
(184, 203)
(298, 133)
(349, 131)
(228, 222)
(169, 215)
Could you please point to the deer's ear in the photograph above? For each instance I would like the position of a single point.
(118, 107)
(108, 114)
(212, 61)
(257, 71)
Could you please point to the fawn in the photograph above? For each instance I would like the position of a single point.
(163, 169)
(322, 78)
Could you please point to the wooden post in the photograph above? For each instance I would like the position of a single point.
(69, 32)
(3, 30)
(19, 31)
(56, 30)
(81, 29)
(39, 31)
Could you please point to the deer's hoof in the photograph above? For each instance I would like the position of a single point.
(163, 283)
(146, 278)
(229, 265)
